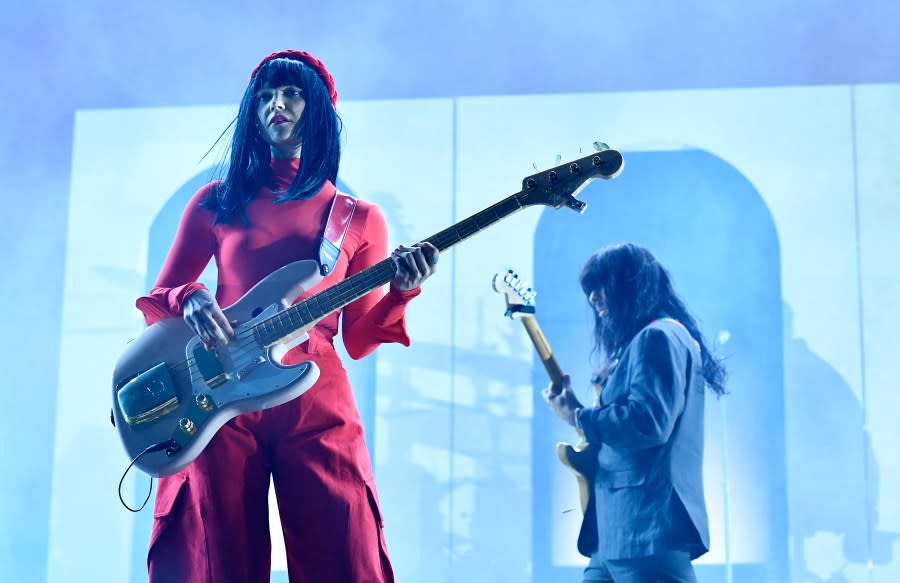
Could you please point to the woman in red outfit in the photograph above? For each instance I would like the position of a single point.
(211, 519)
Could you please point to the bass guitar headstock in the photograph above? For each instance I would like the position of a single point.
(560, 185)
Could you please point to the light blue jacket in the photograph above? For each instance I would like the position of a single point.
(648, 490)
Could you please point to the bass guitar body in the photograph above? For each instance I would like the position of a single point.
(170, 395)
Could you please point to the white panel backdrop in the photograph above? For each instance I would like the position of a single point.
(447, 442)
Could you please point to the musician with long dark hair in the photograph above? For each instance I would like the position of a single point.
(648, 516)
(271, 209)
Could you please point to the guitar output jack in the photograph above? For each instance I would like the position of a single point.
(187, 425)
(204, 402)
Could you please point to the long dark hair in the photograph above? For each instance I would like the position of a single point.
(638, 290)
(248, 156)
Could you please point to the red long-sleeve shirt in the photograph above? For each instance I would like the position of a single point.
(278, 234)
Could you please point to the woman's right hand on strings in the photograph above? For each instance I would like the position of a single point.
(203, 314)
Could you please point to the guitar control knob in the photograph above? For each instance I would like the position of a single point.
(203, 402)
(187, 425)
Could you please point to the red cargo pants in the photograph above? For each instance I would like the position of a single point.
(211, 519)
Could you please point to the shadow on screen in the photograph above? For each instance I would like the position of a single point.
(833, 480)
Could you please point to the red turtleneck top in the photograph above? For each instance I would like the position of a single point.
(278, 234)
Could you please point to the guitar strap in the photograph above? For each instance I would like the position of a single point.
(339, 216)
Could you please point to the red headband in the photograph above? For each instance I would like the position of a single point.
(308, 59)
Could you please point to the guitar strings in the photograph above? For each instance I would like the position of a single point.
(361, 283)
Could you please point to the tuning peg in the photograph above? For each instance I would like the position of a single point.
(534, 165)
(600, 146)
(558, 160)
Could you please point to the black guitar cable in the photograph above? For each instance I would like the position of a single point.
(150, 449)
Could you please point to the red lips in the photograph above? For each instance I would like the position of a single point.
(276, 119)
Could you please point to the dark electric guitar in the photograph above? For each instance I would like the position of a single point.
(170, 395)
(580, 458)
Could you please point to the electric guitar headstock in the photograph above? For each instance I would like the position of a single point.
(519, 296)
(520, 306)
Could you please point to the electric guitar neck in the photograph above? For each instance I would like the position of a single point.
(581, 458)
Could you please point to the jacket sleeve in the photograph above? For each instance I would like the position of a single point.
(375, 318)
(645, 416)
(191, 250)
